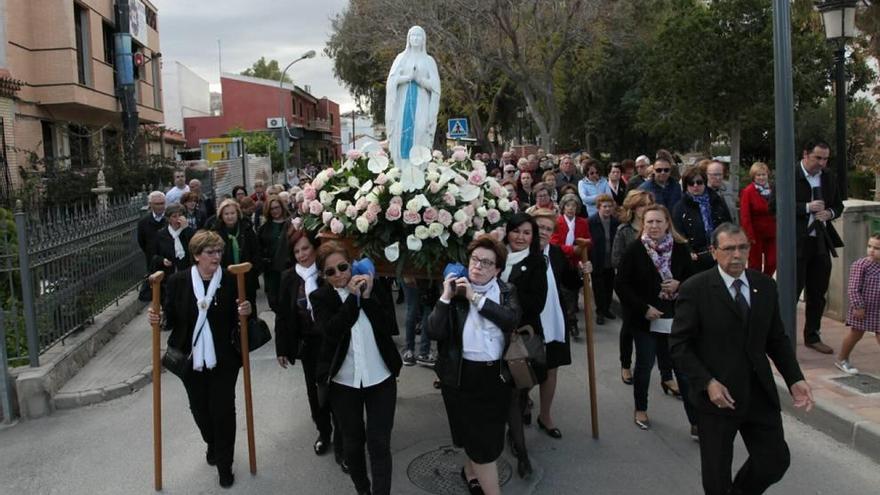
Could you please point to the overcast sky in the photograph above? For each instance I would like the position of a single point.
(249, 29)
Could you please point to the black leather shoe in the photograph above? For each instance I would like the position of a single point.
(473, 485)
(226, 477)
(321, 446)
(524, 467)
(600, 319)
(553, 432)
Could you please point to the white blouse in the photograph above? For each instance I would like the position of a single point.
(363, 365)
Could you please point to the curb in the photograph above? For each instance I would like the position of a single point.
(73, 400)
(837, 422)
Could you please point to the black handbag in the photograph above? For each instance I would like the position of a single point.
(526, 358)
(178, 363)
(258, 335)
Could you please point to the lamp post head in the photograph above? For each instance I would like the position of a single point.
(838, 17)
(309, 54)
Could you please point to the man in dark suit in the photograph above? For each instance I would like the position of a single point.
(603, 227)
(817, 203)
(726, 324)
(148, 229)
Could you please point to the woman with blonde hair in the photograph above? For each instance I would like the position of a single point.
(757, 219)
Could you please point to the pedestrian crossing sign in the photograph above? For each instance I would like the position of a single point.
(457, 128)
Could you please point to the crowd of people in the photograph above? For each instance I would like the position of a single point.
(653, 225)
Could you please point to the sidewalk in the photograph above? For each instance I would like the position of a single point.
(843, 411)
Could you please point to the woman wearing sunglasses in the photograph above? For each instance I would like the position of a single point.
(472, 323)
(359, 362)
(697, 214)
(297, 336)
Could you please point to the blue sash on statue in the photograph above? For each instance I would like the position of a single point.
(407, 128)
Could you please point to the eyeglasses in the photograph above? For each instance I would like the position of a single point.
(212, 252)
(735, 247)
(544, 228)
(695, 183)
(482, 263)
(662, 170)
(330, 271)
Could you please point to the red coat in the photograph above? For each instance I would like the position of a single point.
(754, 214)
(581, 231)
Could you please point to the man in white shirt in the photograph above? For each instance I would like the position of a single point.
(173, 195)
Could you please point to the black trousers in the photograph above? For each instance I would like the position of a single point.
(211, 396)
(379, 402)
(650, 346)
(326, 422)
(761, 431)
(813, 273)
(603, 286)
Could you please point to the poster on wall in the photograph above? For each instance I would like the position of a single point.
(137, 21)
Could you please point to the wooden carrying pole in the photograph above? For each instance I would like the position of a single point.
(583, 246)
(240, 270)
(156, 286)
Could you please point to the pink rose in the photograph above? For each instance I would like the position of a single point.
(304, 207)
(459, 155)
(476, 178)
(499, 233)
(330, 172)
(351, 211)
(371, 216)
(318, 184)
(411, 217)
(478, 222)
(497, 191)
(336, 226)
(459, 228)
(429, 215)
(297, 223)
(469, 210)
(459, 180)
(397, 200)
(445, 218)
(326, 217)
(315, 207)
(353, 154)
(361, 203)
(309, 193)
(493, 215)
(434, 187)
(374, 208)
(381, 179)
(393, 213)
(449, 199)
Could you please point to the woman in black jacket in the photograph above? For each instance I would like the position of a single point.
(359, 363)
(296, 335)
(200, 305)
(171, 248)
(651, 270)
(697, 214)
(526, 270)
(273, 247)
(472, 323)
(241, 244)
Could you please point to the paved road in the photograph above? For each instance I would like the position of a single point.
(107, 448)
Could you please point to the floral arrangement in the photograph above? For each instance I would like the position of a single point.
(363, 199)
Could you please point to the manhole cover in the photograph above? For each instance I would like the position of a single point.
(439, 471)
(865, 384)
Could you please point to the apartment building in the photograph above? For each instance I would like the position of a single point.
(62, 53)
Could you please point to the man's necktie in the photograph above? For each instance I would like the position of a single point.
(740, 298)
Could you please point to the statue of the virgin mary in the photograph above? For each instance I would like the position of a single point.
(412, 101)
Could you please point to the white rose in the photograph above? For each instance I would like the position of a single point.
(413, 243)
(395, 189)
(353, 182)
(392, 252)
(422, 232)
(341, 205)
(481, 211)
(372, 197)
(452, 188)
(393, 173)
(325, 198)
(435, 229)
(504, 204)
(362, 224)
(460, 216)
(432, 176)
(414, 205)
(491, 203)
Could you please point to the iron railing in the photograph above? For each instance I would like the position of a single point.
(60, 268)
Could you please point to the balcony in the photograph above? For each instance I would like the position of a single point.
(320, 125)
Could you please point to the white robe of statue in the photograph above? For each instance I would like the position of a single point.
(412, 101)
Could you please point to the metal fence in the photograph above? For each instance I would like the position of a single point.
(60, 268)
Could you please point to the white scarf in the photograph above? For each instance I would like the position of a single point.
(552, 319)
(481, 338)
(569, 237)
(513, 259)
(179, 253)
(310, 277)
(203, 353)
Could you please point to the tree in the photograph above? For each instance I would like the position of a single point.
(261, 143)
(265, 70)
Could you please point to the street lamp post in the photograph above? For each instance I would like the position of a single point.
(284, 130)
(838, 17)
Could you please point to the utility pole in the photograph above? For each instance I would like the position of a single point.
(125, 89)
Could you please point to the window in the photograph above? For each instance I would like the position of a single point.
(112, 146)
(48, 146)
(109, 44)
(155, 65)
(331, 120)
(80, 139)
(151, 18)
(83, 53)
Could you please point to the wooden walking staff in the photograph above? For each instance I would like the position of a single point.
(156, 286)
(240, 270)
(583, 246)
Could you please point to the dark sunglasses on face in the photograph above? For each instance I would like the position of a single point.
(662, 170)
(330, 271)
(696, 183)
